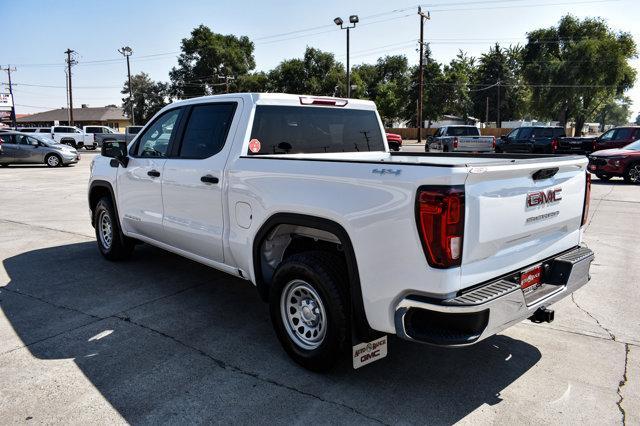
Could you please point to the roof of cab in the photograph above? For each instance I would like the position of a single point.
(276, 99)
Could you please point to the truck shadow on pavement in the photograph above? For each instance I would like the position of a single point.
(164, 339)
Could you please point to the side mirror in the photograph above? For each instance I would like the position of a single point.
(117, 151)
(503, 138)
(430, 138)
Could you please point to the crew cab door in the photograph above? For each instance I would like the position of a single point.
(139, 185)
(524, 140)
(193, 179)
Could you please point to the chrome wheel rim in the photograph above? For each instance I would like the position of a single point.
(634, 174)
(105, 230)
(303, 314)
(53, 161)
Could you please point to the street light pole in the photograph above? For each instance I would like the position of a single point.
(126, 52)
(353, 20)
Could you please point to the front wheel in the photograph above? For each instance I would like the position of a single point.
(90, 148)
(53, 160)
(309, 308)
(112, 243)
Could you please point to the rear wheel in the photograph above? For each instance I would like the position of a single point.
(394, 146)
(90, 148)
(112, 243)
(309, 308)
(53, 160)
(632, 175)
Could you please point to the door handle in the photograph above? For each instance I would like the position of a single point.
(209, 179)
(153, 173)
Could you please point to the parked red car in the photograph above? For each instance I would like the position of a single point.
(394, 141)
(617, 138)
(623, 163)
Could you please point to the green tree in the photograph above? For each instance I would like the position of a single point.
(206, 59)
(387, 84)
(149, 97)
(616, 112)
(499, 70)
(434, 93)
(457, 77)
(576, 68)
(253, 82)
(317, 73)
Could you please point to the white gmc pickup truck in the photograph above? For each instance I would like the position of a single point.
(347, 241)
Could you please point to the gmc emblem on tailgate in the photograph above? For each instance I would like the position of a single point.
(539, 198)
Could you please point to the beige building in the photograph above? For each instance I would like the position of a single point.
(113, 117)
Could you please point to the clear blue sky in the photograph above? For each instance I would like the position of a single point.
(36, 33)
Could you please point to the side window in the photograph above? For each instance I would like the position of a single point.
(96, 130)
(608, 135)
(514, 134)
(58, 130)
(623, 134)
(525, 133)
(6, 139)
(206, 131)
(155, 140)
(23, 140)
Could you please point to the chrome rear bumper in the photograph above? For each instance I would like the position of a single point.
(490, 308)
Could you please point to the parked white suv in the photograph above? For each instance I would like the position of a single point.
(345, 240)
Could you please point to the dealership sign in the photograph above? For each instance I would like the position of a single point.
(6, 102)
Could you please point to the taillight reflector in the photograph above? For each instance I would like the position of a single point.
(587, 199)
(493, 144)
(455, 142)
(307, 100)
(554, 144)
(440, 220)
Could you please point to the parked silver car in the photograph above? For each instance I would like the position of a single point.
(33, 148)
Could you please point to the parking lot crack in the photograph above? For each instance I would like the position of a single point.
(229, 367)
(55, 305)
(611, 335)
(622, 383)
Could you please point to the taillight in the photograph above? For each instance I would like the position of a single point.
(593, 146)
(554, 145)
(455, 143)
(440, 219)
(587, 199)
(493, 144)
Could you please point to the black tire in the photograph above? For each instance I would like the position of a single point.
(445, 148)
(603, 177)
(53, 160)
(120, 246)
(632, 174)
(326, 274)
(394, 146)
(90, 148)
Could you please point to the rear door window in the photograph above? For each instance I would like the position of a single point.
(525, 133)
(206, 130)
(624, 133)
(306, 129)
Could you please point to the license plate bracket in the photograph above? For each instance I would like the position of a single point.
(531, 279)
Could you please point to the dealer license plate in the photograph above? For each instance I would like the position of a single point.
(531, 279)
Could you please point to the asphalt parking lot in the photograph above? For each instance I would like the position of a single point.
(163, 339)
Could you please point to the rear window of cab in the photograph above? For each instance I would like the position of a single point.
(310, 130)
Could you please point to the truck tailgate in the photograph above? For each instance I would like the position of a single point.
(514, 220)
(475, 143)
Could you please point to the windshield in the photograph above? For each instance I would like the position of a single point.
(633, 146)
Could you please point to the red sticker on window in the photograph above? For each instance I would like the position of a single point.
(254, 146)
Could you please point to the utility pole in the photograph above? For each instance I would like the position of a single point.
(486, 112)
(423, 17)
(70, 62)
(498, 122)
(127, 51)
(8, 69)
(227, 79)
